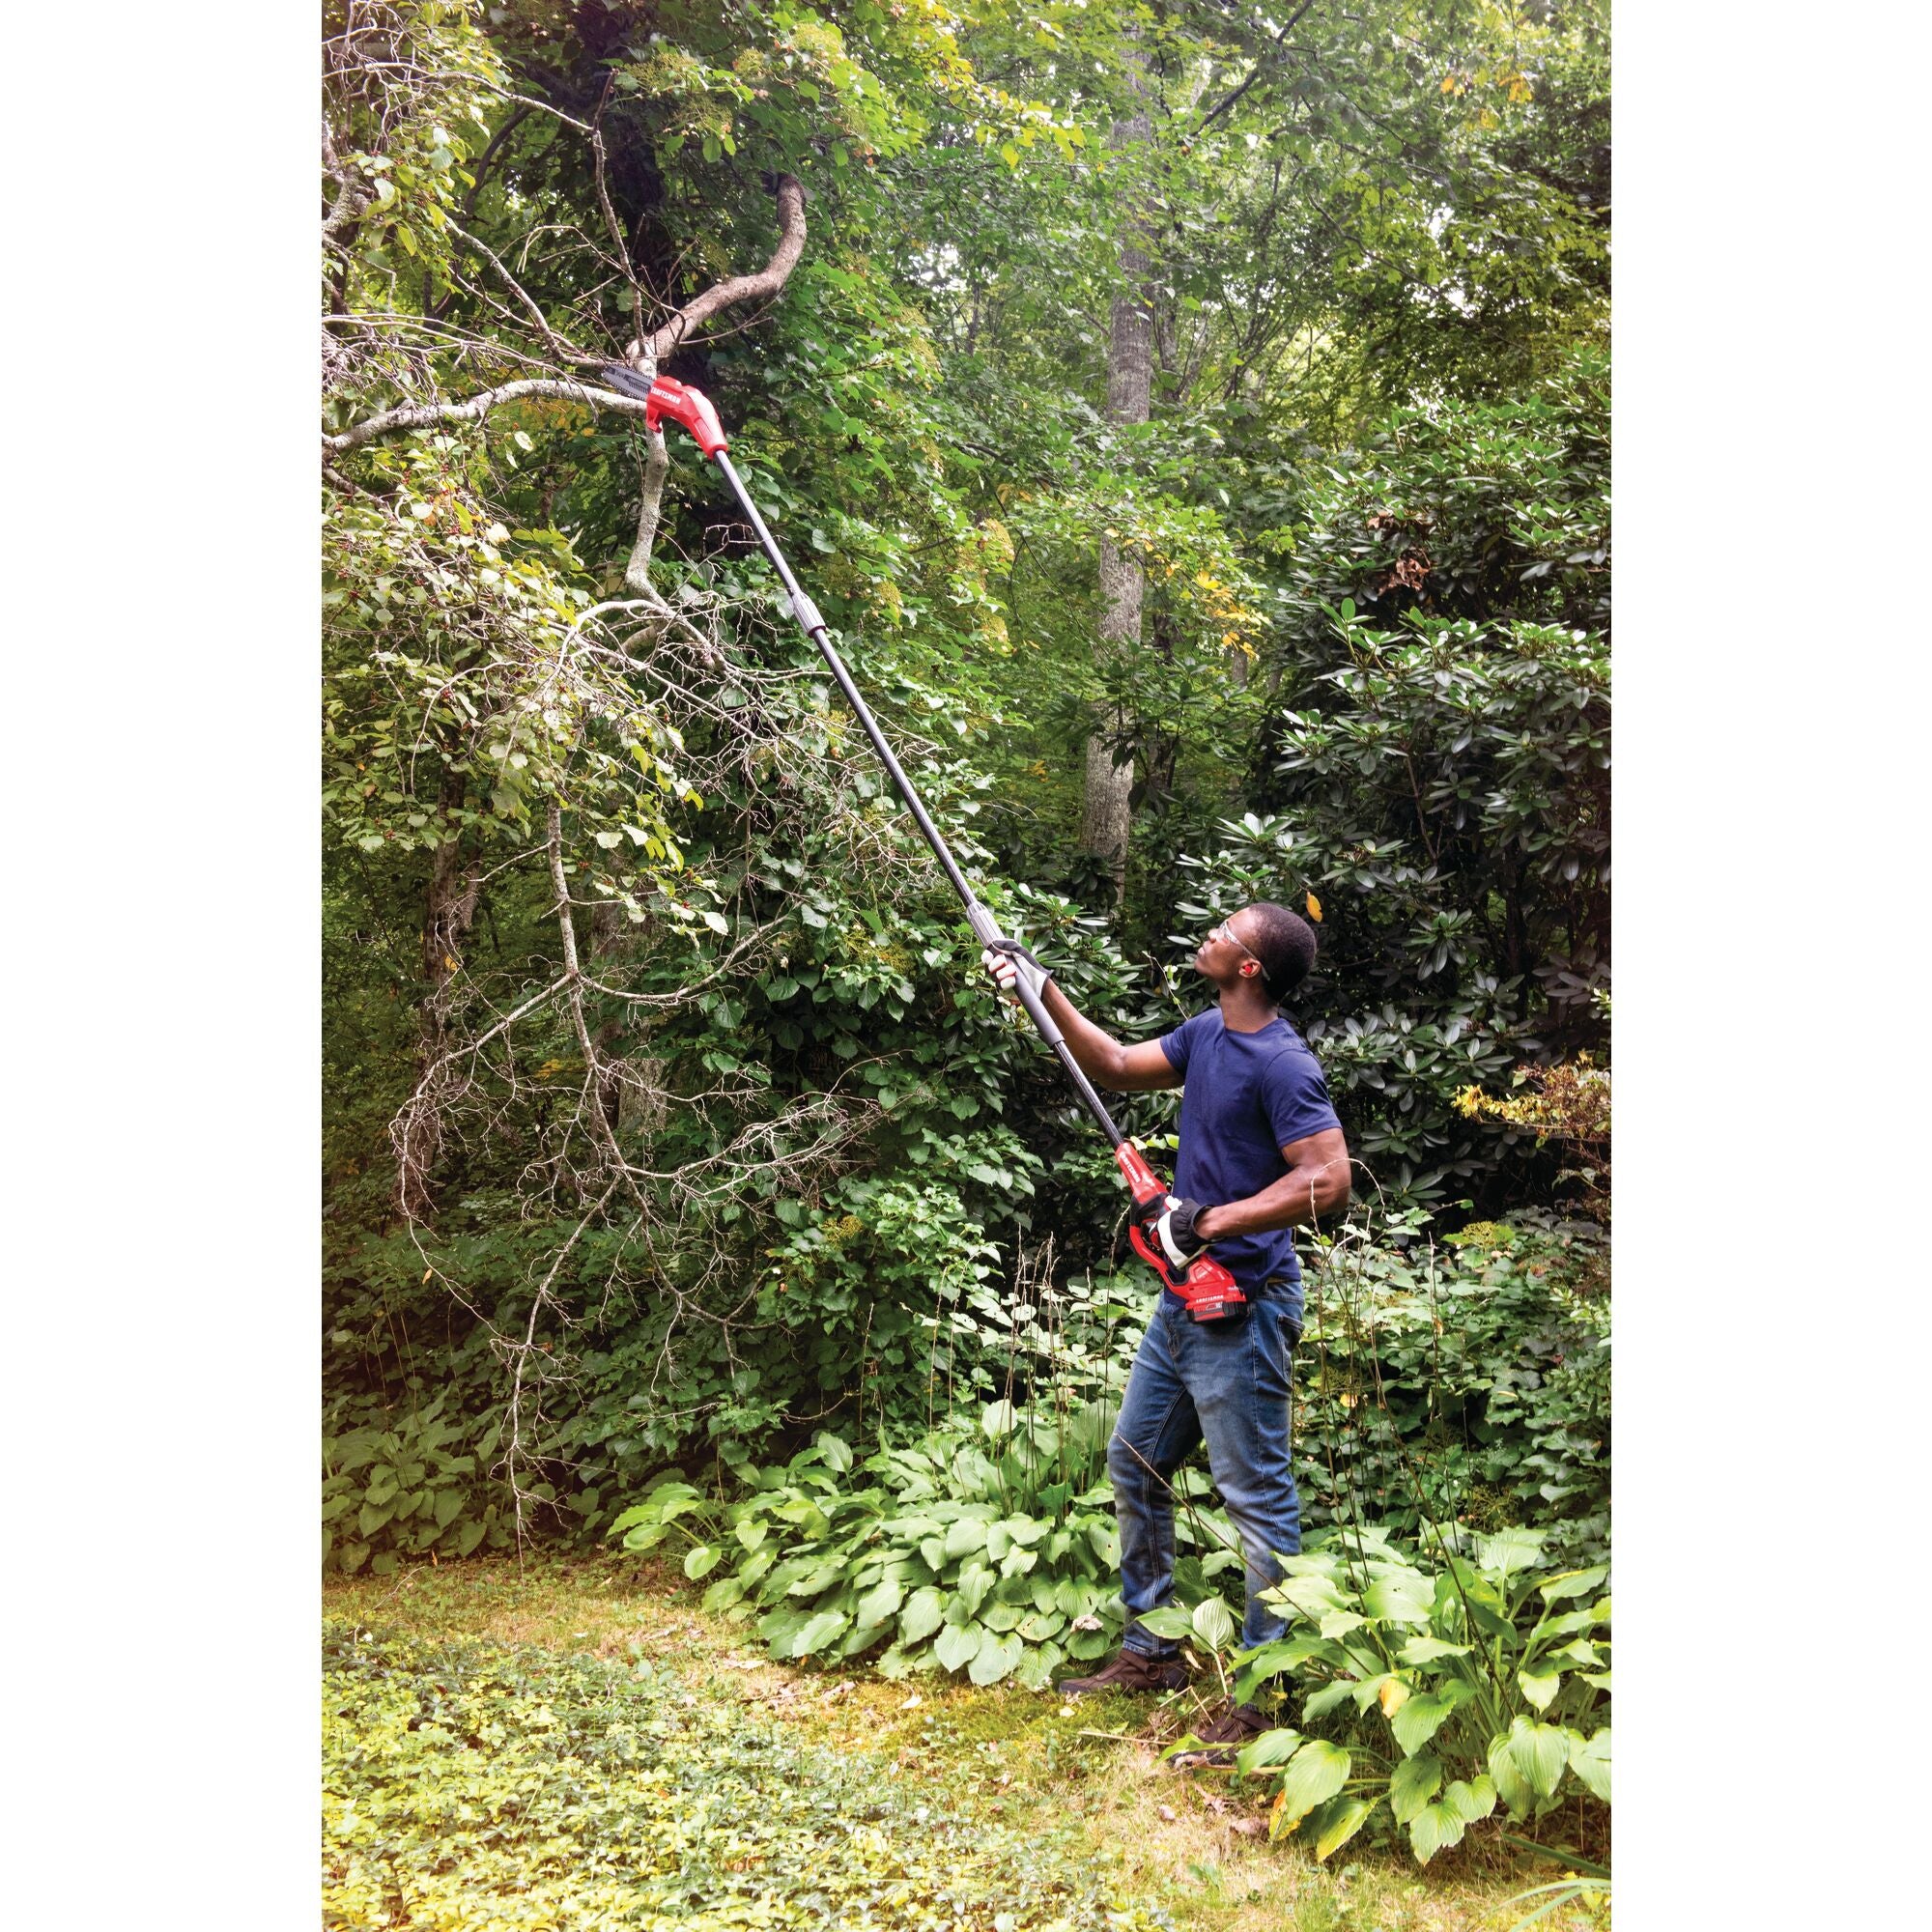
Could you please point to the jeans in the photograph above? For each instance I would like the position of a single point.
(1229, 1384)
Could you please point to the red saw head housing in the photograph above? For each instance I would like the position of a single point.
(692, 408)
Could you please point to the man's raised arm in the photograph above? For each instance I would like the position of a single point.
(1121, 1070)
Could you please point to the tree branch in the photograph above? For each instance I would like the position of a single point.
(768, 281)
(416, 415)
(1260, 66)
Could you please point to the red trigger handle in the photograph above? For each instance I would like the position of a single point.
(1211, 1294)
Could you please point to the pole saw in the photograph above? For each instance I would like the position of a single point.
(1209, 1290)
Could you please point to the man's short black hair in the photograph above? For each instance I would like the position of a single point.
(1284, 942)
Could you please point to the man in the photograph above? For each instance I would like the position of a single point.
(1261, 1153)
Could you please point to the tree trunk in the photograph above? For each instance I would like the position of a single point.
(1106, 816)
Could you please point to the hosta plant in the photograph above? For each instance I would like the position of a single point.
(1432, 1690)
(990, 1551)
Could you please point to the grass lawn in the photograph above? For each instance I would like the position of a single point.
(573, 1744)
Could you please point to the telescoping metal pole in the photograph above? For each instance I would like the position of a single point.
(1209, 1291)
(982, 922)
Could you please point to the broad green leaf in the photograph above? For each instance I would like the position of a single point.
(1510, 1551)
(880, 1601)
(975, 1582)
(1419, 1719)
(965, 1537)
(1512, 1787)
(1331, 1697)
(1036, 1667)
(1315, 1772)
(1538, 1752)
(1590, 1760)
(1401, 1597)
(998, 1420)
(723, 1594)
(1434, 1826)
(1170, 1621)
(701, 1560)
(1336, 1822)
(1414, 1782)
(932, 1553)
(1572, 1583)
(751, 1531)
(1540, 1686)
(996, 1657)
(1472, 1801)
(1337, 1624)
(1213, 1623)
(1430, 1650)
(957, 1644)
(924, 1612)
(1270, 1748)
(818, 1631)
(837, 1451)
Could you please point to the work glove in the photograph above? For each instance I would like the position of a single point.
(1169, 1220)
(1009, 962)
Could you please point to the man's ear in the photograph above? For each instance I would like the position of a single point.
(1249, 969)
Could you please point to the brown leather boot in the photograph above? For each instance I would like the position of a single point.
(1131, 1670)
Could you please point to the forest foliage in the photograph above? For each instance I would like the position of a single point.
(672, 1130)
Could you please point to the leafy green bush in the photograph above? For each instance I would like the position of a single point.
(413, 1483)
(1468, 1381)
(1448, 1685)
(990, 1551)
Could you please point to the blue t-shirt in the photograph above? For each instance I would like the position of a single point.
(1244, 1096)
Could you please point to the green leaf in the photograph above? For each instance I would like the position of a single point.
(965, 1535)
(1430, 1650)
(1213, 1623)
(997, 1656)
(723, 1594)
(751, 1532)
(924, 1612)
(1168, 1621)
(1472, 1801)
(1337, 1624)
(1573, 1582)
(837, 1451)
(1590, 1760)
(1414, 1783)
(998, 1420)
(1331, 1697)
(1270, 1749)
(1401, 1598)
(1315, 1772)
(818, 1631)
(1434, 1826)
(880, 1601)
(1511, 1785)
(1336, 1822)
(976, 1580)
(1539, 1754)
(701, 1560)
(957, 1644)
(1420, 1718)
(1540, 1686)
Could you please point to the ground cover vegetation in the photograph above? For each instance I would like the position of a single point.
(1193, 422)
(494, 1725)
